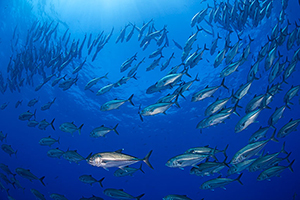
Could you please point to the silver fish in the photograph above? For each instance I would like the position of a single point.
(25, 173)
(288, 128)
(116, 159)
(115, 104)
(70, 127)
(274, 171)
(102, 131)
(48, 141)
(219, 182)
(90, 180)
(120, 194)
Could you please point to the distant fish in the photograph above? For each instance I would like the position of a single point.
(55, 153)
(56, 196)
(32, 102)
(44, 124)
(70, 127)
(48, 105)
(120, 194)
(115, 104)
(2, 136)
(219, 182)
(25, 173)
(177, 197)
(37, 194)
(102, 131)
(73, 156)
(48, 141)
(274, 171)
(26, 115)
(90, 180)
(8, 149)
(127, 171)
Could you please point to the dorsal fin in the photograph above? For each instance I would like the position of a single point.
(119, 151)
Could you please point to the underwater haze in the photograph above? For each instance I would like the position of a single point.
(170, 99)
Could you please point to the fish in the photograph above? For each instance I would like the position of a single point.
(32, 102)
(219, 182)
(73, 156)
(105, 89)
(220, 57)
(255, 103)
(25, 173)
(213, 120)
(291, 94)
(16, 182)
(91, 198)
(277, 114)
(48, 141)
(170, 79)
(6, 169)
(207, 92)
(155, 109)
(94, 81)
(134, 69)
(288, 128)
(44, 124)
(8, 149)
(2, 136)
(206, 150)
(32, 123)
(102, 131)
(120, 194)
(177, 197)
(122, 34)
(186, 159)
(274, 171)
(48, 105)
(154, 63)
(214, 45)
(242, 91)
(115, 104)
(70, 127)
(239, 167)
(90, 180)
(248, 119)
(77, 69)
(37, 194)
(27, 115)
(250, 150)
(3, 106)
(56, 196)
(19, 102)
(208, 168)
(127, 171)
(116, 159)
(55, 153)
(266, 161)
(177, 45)
(216, 106)
(260, 133)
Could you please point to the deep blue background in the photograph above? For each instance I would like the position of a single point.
(167, 135)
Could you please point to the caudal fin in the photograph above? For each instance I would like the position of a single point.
(100, 181)
(238, 179)
(79, 129)
(52, 124)
(290, 166)
(146, 159)
(130, 99)
(41, 179)
(138, 197)
(115, 129)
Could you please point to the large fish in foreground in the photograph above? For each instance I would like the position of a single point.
(116, 159)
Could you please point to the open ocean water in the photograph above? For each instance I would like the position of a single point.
(42, 40)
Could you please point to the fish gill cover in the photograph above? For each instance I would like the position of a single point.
(149, 99)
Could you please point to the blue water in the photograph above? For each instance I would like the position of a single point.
(167, 135)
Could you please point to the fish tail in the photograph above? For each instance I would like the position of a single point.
(100, 181)
(5, 137)
(58, 140)
(290, 166)
(223, 85)
(34, 113)
(16, 153)
(273, 137)
(139, 197)
(115, 129)
(283, 149)
(146, 159)
(89, 156)
(41, 179)
(52, 124)
(79, 129)
(287, 157)
(130, 99)
(239, 179)
(224, 150)
(141, 168)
